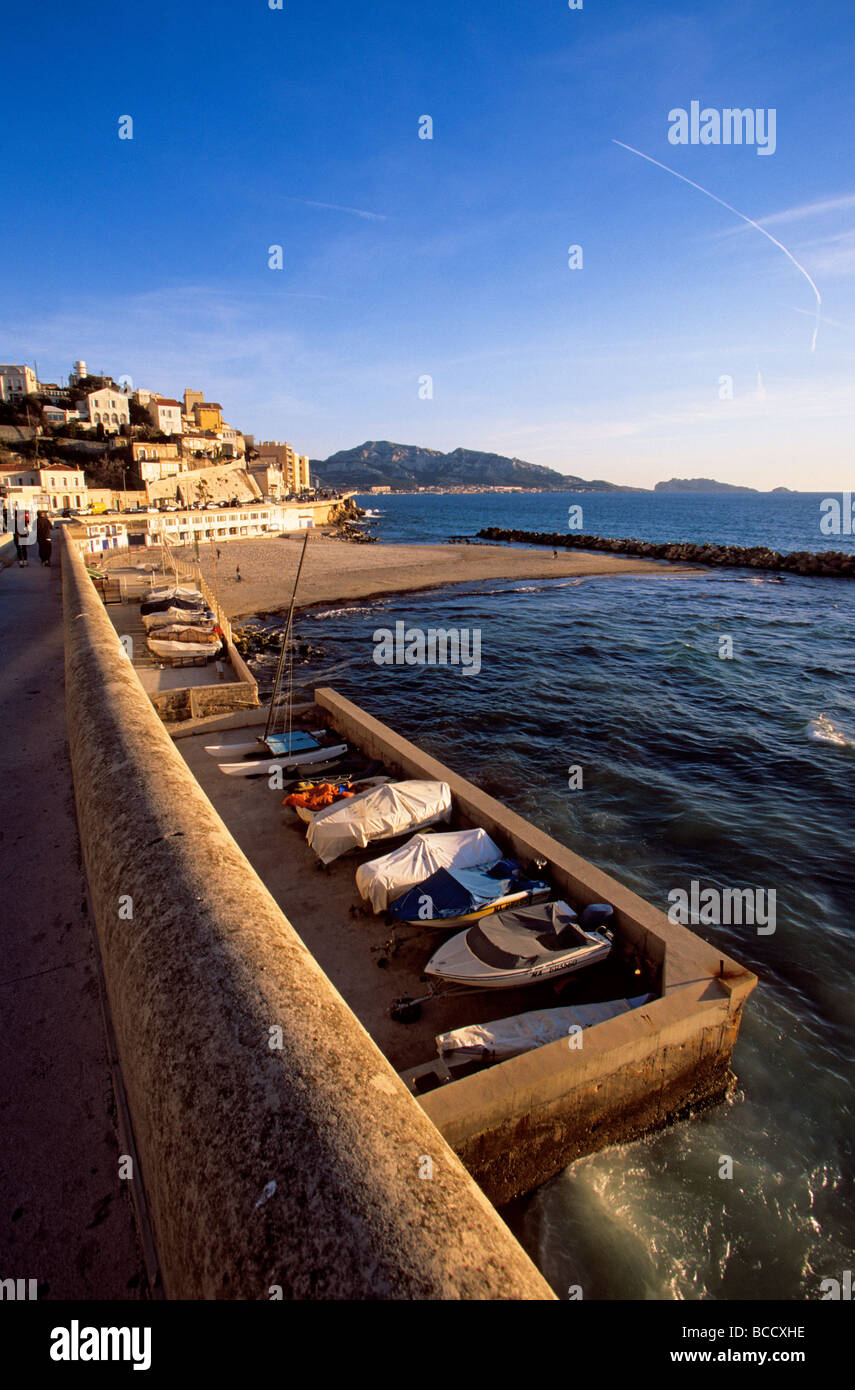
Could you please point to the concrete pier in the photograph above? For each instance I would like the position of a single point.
(280, 1153)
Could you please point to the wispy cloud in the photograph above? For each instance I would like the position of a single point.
(833, 255)
(336, 207)
(810, 210)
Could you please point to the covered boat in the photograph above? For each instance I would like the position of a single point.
(387, 878)
(202, 632)
(508, 1037)
(169, 591)
(172, 648)
(522, 947)
(389, 810)
(176, 611)
(453, 897)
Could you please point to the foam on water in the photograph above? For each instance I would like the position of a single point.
(825, 731)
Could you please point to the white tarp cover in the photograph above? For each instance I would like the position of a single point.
(383, 880)
(390, 810)
(508, 1037)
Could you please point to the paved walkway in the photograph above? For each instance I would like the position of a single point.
(65, 1216)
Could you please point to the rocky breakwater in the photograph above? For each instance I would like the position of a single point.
(346, 521)
(834, 564)
(260, 647)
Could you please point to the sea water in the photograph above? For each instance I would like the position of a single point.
(737, 772)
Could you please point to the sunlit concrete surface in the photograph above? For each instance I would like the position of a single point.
(66, 1219)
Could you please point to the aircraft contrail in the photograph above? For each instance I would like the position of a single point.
(756, 225)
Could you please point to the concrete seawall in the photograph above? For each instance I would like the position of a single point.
(278, 1147)
(520, 1121)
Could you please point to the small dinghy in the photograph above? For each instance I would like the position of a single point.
(523, 947)
(394, 809)
(383, 880)
(510, 1037)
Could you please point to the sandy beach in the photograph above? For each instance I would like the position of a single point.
(336, 570)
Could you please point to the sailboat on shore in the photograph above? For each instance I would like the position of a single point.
(291, 747)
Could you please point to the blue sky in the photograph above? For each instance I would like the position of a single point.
(406, 257)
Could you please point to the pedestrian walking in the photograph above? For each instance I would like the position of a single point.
(22, 536)
(43, 530)
(238, 575)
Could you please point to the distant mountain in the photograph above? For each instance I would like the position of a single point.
(380, 463)
(702, 485)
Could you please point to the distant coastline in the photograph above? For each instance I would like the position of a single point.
(387, 466)
(711, 490)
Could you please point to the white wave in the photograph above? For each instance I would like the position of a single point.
(824, 730)
(337, 612)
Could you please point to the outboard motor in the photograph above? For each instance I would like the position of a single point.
(597, 917)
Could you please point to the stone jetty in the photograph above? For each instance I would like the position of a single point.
(834, 564)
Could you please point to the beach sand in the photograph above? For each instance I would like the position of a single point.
(336, 570)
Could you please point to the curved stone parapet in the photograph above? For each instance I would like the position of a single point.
(281, 1155)
(834, 564)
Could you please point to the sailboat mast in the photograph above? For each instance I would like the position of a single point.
(285, 641)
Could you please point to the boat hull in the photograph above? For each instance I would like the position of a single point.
(165, 650)
(454, 963)
(241, 750)
(260, 767)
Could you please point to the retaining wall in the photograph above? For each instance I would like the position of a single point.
(201, 980)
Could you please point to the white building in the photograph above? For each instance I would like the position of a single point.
(155, 460)
(16, 382)
(165, 414)
(55, 415)
(108, 407)
(63, 488)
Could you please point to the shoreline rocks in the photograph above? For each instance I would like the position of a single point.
(828, 564)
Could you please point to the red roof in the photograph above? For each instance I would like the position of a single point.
(165, 400)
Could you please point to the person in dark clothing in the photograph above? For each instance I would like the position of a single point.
(21, 535)
(43, 530)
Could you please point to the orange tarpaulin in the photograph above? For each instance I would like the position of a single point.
(322, 794)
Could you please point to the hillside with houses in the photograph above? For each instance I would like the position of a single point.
(93, 444)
